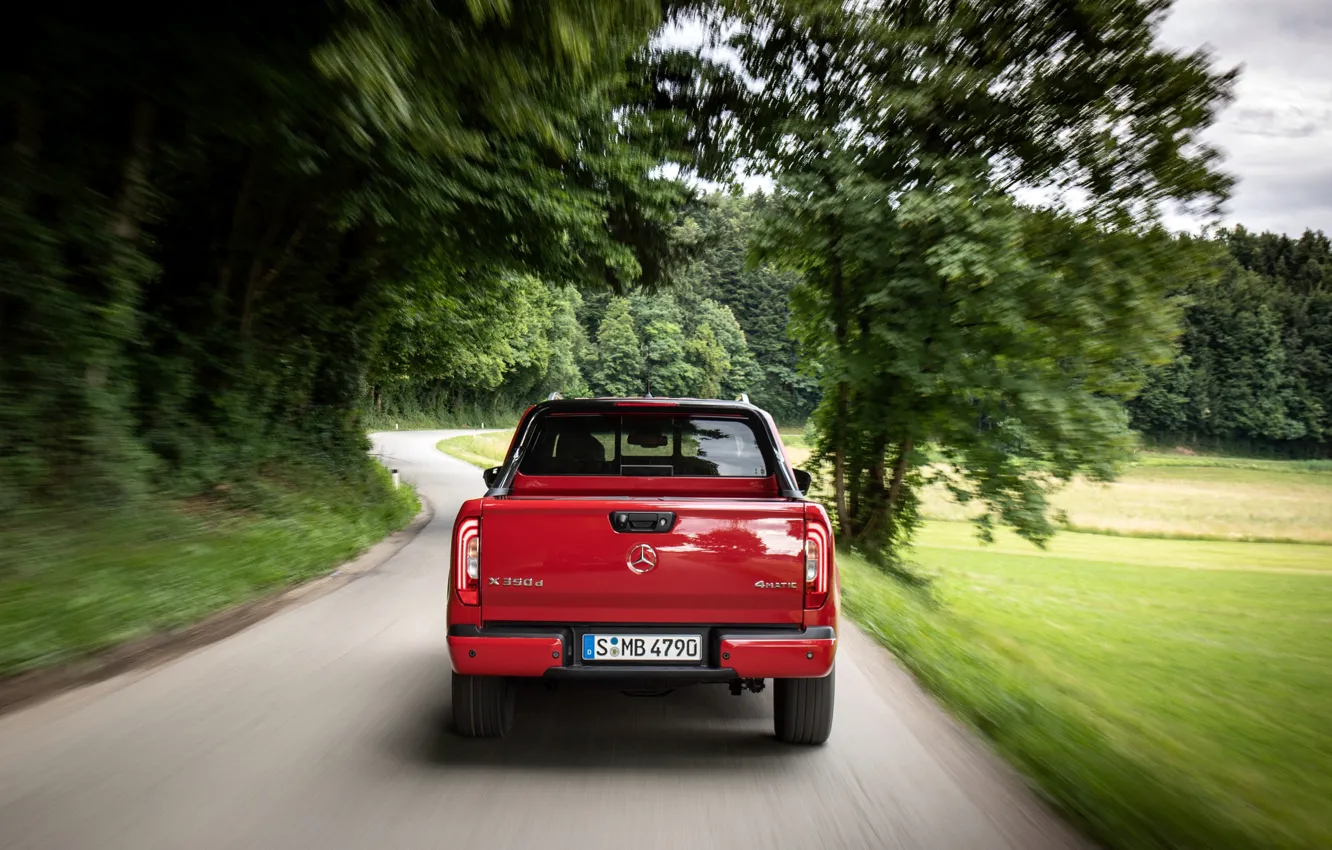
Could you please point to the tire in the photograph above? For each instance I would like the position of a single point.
(803, 709)
(482, 706)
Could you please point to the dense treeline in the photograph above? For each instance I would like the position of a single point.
(720, 327)
(219, 225)
(1254, 369)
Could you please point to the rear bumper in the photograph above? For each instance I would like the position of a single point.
(545, 651)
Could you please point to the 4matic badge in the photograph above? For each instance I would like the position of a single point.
(772, 585)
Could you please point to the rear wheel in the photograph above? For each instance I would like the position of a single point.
(803, 709)
(482, 706)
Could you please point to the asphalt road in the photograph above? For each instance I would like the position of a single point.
(326, 727)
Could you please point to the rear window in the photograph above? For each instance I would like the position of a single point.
(608, 444)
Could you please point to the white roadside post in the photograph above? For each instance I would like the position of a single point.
(395, 478)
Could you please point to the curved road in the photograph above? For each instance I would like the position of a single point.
(325, 727)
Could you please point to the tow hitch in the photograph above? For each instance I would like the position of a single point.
(754, 686)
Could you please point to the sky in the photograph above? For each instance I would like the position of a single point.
(1277, 134)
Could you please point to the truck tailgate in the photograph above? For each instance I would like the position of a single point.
(733, 561)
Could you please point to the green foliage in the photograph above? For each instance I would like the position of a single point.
(70, 589)
(665, 369)
(932, 307)
(709, 360)
(618, 370)
(492, 348)
(757, 300)
(998, 333)
(326, 207)
(1255, 362)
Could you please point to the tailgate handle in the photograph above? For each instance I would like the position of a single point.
(643, 522)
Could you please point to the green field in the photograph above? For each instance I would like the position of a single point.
(1163, 497)
(1166, 692)
(1169, 495)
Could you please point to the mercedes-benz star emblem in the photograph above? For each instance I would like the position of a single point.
(642, 558)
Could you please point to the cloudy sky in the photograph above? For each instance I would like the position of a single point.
(1277, 135)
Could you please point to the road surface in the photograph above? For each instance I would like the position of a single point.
(326, 727)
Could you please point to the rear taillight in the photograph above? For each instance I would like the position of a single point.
(467, 561)
(816, 566)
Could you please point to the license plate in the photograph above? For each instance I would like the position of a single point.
(642, 648)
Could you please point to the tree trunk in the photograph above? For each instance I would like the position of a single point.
(840, 416)
(134, 182)
(899, 479)
(235, 238)
(841, 335)
(28, 129)
(841, 411)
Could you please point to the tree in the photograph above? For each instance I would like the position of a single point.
(935, 308)
(718, 228)
(737, 370)
(569, 347)
(709, 361)
(618, 369)
(666, 369)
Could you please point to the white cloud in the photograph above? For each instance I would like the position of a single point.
(1277, 135)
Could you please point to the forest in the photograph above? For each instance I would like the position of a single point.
(720, 328)
(329, 217)
(1252, 371)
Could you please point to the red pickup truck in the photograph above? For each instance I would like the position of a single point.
(648, 543)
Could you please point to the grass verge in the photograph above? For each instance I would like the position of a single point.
(483, 450)
(71, 585)
(1160, 706)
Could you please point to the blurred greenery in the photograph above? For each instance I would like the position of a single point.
(228, 233)
(1164, 693)
(71, 588)
(235, 237)
(216, 268)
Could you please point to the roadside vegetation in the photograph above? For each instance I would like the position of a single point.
(1164, 680)
(68, 589)
(483, 450)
